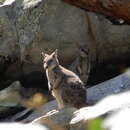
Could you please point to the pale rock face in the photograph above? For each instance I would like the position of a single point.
(18, 126)
(29, 27)
(49, 25)
(59, 120)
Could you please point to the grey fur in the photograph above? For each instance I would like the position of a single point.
(64, 84)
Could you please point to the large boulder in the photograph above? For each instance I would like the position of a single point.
(28, 27)
(21, 126)
(109, 42)
(8, 34)
(42, 26)
(59, 120)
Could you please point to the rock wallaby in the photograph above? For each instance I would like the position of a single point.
(64, 84)
(81, 66)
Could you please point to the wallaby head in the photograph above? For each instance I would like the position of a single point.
(50, 61)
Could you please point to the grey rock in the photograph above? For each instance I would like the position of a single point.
(10, 96)
(46, 108)
(115, 85)
(59, 120)
(45, 24)
(20, 126)
(28, 27)
(108, 40)
(8, 35)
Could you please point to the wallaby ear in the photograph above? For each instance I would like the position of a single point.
(56, 52)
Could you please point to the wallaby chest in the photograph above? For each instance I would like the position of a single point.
(55, 86)
(54, 79)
